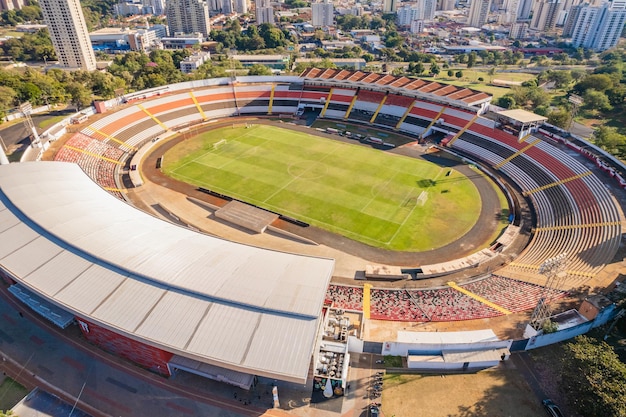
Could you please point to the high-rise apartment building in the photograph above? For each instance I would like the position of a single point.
(6, 5)
(264, 12)
(407, 14)
(428, 8)
(322, 14)
(446, 4)
(69, 34)
(188, 16)
(478, 13)
(227, 7)
(545, 15)
(157, 6)
(510, 11)
(599, 28)
(524, 8)
(390, 6)
(241, 6)
(572, 18)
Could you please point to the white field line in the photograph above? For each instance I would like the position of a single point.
(295, 178)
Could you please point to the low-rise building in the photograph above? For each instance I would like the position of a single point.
(182, 41)
(193, 62)
(275, 62)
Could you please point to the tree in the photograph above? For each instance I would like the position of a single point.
(599, 82)
(450, 73)
(259, 69)
(593, 378)
(560, 78)
(434, 69)
(80, 96)
(560, 118)
(506, 101)
(596, 100)
(459, 74)
(608, 139)
(471, 59)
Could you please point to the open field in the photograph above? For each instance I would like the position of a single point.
(381, 199)
(496, 392)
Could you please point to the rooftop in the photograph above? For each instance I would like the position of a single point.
(227, 304)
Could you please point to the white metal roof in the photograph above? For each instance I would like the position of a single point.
(236, 306)
(523, 116)
(447, 338)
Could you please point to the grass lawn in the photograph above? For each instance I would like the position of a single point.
(497, 392)
(470, 80)
(381, 199)
(11, 393)
(49, 122)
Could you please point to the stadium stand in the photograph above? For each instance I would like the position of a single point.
(575, 213)
(98, 159)
(345, 297)
(511, 294)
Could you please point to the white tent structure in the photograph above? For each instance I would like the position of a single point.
(230, 305)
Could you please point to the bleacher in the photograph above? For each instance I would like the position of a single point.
(512, 294)
(98, 159)
(575, 213)
(345, 297)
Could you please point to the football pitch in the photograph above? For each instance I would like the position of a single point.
(371, 196)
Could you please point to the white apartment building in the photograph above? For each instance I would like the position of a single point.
(599, 28)
(407, 14)
(322, 14)
(545, 15)
(69, 34)
(227, 7)
(6, 5)
(188, 16)
(193, 62)
(264, 12)
(417, 26)
(478, 13)
(429, 7)
(390, 6)
(241, 6)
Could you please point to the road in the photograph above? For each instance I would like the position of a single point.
(15, 135)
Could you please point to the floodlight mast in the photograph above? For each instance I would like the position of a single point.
(27, 109)
(555, 271)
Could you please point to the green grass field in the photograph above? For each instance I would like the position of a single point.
(375, 197)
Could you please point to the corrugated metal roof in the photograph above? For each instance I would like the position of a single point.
(232, 305)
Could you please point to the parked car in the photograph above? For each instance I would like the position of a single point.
(552, 409)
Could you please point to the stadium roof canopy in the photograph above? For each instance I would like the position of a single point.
(231, 305)
(522, 116)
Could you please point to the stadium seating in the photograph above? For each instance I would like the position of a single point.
(98, 159)
(575, 213)
(345, 297)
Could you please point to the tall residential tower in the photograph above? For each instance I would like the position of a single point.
(478, 13)
(69, 34)
(188, 16)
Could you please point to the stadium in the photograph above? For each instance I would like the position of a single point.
(168, 298)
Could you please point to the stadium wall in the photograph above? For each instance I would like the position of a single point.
(147, 356)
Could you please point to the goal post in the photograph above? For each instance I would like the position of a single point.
(219, 144)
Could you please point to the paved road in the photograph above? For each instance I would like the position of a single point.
(15, 134)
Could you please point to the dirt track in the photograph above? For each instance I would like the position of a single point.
(476, 238)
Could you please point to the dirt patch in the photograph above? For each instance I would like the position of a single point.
(497, 392)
